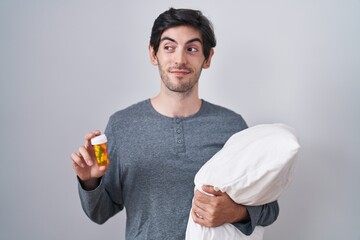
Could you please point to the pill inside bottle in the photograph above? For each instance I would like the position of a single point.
(100, 149)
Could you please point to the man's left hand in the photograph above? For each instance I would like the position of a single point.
(216, 208)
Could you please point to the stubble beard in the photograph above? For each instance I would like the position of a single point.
(180, 85)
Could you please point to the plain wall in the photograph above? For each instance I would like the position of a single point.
(66, 66)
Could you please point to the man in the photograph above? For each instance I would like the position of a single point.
(156, 146)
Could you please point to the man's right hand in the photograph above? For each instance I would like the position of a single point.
(85, 166)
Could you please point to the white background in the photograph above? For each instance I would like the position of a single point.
(65, 66)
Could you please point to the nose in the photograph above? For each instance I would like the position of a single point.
(180, 57)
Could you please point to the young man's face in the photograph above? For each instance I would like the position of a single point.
(180, 58)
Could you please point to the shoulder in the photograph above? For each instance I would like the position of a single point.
(222, 114)
(211, 109)
(127, 115)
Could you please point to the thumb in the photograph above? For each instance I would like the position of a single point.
(210, 189)
(103, 168)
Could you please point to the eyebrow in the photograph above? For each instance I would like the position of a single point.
(173, 40)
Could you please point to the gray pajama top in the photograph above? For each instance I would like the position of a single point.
(154, 159)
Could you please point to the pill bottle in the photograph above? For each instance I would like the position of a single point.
(100, 149)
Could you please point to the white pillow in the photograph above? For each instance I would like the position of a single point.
(226, 231)
(253, 168)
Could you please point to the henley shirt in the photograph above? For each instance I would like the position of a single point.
(153, 162)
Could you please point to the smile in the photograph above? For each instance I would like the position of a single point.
(180, 71)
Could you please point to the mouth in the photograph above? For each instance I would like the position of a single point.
(180, 71)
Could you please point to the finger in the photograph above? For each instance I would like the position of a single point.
(200, 219)
(200, 213)
(210, 190)
(77, 161)
(203, 197)
(102, 168)
(196, 216)
(200, 204)
(86, 156)
(89, 136)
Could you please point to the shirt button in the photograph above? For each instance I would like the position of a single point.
(177, 120)
(178, 130)
(179, 141)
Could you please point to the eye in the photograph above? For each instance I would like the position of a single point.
(169, 48)
(192, 49)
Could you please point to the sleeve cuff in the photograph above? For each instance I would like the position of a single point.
(90, 196)
(248, 227)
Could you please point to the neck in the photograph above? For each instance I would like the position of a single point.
(172, 104)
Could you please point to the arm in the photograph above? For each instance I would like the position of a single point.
(262, 215)
(99, 203)
(99, 187)
(219, 208)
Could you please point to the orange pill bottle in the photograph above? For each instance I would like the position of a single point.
(100, 149)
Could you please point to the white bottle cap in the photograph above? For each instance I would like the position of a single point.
(99, 140)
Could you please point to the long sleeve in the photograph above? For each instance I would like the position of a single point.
(105, 201)
(97, 204)
(263, 215)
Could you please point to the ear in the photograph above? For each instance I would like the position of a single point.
(153, 58)
(208, 61)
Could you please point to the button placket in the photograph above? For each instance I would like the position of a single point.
(179, 135)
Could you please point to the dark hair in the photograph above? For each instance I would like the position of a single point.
(183, 17)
